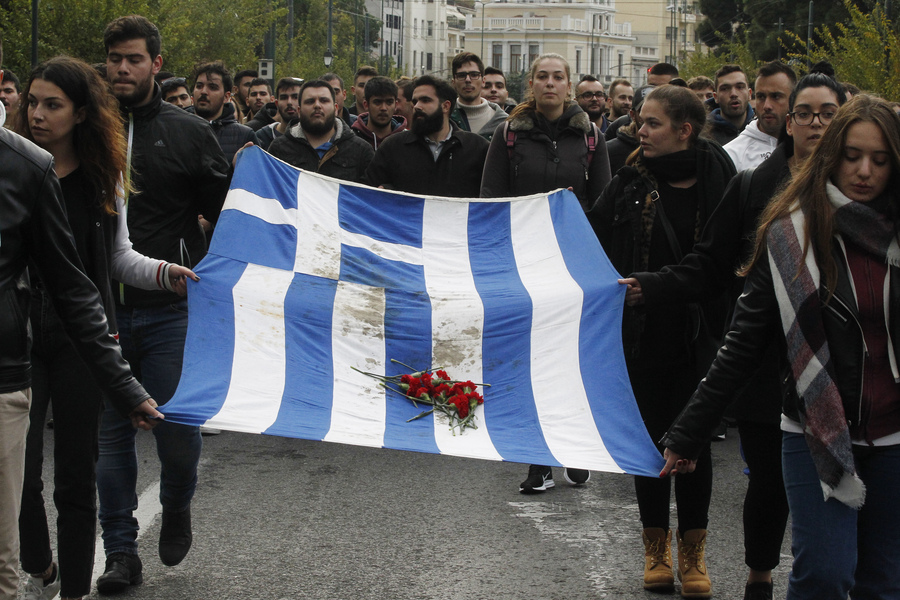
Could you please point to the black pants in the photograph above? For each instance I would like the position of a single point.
(662, 391)
(765, 505)
(61, 377)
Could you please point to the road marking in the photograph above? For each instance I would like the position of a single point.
(147, 512)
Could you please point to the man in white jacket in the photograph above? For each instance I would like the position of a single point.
(774, 83)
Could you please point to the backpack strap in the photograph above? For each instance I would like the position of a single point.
(590, 140)
(510, 140)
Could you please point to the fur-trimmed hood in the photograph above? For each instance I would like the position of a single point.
(573, 117)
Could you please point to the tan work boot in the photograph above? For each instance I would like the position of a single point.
(692, 571)
(658, 559)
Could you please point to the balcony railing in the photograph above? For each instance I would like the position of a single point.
(565, 23)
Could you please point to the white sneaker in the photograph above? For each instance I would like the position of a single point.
(36, 590)
(204, 430)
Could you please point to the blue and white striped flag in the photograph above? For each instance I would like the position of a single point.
(309, 276)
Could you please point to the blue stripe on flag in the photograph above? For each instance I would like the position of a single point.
(361, 266)
(271, 246)
(365, 211)
(305, 410)
(407, 336)
(266, 177)
(509, 408)
(209, 347)
(615, 411)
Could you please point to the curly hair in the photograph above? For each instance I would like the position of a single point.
(99, 140)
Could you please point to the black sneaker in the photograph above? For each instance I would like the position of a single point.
(540, 479)
(720, 432)
(760, 590)
(121, 571)
(175, 537)
(577, 476)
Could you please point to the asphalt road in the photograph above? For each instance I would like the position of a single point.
(277, 518)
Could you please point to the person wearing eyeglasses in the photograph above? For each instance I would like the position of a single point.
(592, 99)
(727, 242)
(472, 112)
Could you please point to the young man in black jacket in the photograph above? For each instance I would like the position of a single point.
(34, 228)
(212, 101)
(179, 172)
(320, 142)
(435, 156)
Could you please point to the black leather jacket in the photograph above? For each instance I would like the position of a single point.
(756, 322)
(33, 226)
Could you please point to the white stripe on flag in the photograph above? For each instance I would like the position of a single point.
(358, 411)
(318, 229)
(386, 250)
(559, 394)
(258, 367)
(267, 209)
(457, 318)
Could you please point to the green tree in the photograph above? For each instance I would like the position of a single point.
(195, 32)
(865, 51)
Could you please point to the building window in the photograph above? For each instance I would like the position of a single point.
(430, 28)
(415, 27)
(621, 64)
(497, 60)
(533, 52)
(414, 63)
(671, 33)
(429, 62)
(578, 61)
(515, 57)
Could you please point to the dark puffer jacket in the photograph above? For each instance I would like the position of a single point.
(621, 147)
(540, 163)
(231, 135)
(347, 159)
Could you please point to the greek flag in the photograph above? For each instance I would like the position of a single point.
(308, 277)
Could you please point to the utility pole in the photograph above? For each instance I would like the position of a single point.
(290, 29)
(34, 33)
(780, 29)
(809, 34)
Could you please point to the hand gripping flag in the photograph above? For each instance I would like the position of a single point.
(308, 276)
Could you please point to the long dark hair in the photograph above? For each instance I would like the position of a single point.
(99, 140)
(807, 190)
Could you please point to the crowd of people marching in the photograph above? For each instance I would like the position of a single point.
(753, 207)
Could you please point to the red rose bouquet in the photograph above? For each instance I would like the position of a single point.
(454, 398)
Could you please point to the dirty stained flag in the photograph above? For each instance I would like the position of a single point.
(309, 278)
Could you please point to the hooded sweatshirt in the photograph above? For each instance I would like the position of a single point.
(361, 128)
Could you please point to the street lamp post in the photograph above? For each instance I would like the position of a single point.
(329, 56)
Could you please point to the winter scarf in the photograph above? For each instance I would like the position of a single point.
(796, 279)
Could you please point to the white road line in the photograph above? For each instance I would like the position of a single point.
(147, 512)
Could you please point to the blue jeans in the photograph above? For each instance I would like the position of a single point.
(838, 550)
(152, 341)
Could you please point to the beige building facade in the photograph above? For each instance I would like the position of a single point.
(604, 38)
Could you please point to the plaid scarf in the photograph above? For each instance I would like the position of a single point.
(796, 280)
